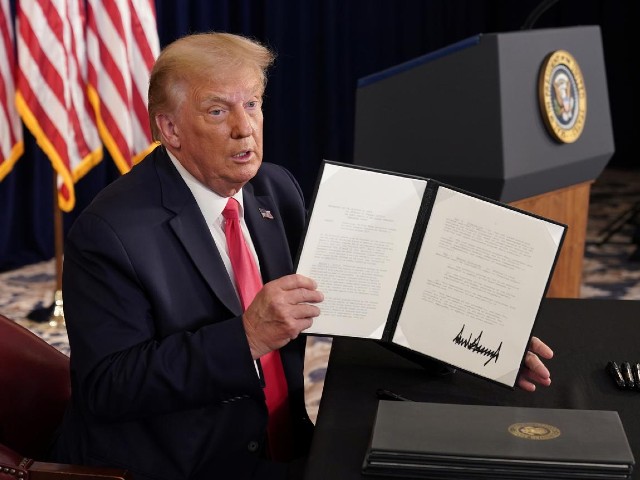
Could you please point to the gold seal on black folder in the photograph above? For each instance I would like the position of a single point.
(534, 431)
(562, 96)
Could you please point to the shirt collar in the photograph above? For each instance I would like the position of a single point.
(211, 204)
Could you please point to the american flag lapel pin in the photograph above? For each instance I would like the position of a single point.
(266, 213)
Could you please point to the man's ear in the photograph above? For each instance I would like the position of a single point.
(168, 130)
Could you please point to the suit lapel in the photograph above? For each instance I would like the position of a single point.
(270, 240)
(191, 229)
(267, 233)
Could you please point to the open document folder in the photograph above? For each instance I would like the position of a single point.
(426, 266)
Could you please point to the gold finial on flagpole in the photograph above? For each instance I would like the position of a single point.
(57, 316)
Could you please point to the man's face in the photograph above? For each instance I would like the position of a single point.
(217, 130)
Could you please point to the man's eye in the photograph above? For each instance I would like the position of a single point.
(252, 104)
(216, 112)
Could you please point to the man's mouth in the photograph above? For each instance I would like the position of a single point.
(242, 155)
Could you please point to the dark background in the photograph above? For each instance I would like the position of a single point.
(323, 47)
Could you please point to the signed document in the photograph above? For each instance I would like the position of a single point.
(423, 265)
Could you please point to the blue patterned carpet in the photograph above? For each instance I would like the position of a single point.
(611, 270)
(612, 256)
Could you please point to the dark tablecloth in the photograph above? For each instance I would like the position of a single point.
(585, 335)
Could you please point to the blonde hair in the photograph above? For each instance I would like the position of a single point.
(197, 56)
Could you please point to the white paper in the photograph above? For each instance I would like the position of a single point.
(355, 246)
(477, 285)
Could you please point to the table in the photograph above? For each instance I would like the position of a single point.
(585, 335)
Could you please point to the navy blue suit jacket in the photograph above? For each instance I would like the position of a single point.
(163, 382)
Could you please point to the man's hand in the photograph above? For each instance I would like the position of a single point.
(534, 372)
(279, 312)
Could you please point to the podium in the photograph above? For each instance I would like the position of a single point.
(476, 115)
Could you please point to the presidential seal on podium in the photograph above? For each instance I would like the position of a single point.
(562, 96)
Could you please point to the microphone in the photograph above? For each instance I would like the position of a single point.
(537, 13)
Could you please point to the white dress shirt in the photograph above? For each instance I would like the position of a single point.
(211, 205)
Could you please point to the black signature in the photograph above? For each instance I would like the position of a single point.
(476, 347)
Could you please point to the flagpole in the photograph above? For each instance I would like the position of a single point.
(54, 313)
(57, 316)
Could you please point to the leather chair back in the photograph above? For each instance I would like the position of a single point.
(34, 390)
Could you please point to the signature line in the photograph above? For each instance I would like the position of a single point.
(475, 346)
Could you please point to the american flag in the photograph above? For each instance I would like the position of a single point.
(51, 89)
(11, 145)
(122, 43)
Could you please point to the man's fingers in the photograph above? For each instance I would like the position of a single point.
(535, 365)
(294, 281)
(526, 385)
(304, 310)
(303, 324)
(534, 373)
(527, 380)
(280, 311)
(303, 295)
(536, 378)
(538, 347)
(294, 289)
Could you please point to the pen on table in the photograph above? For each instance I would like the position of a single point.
(384, 394)
(628, 375)
(614, 369)
(636, 374)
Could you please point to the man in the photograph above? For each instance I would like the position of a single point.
(164, 378)
(167, 368)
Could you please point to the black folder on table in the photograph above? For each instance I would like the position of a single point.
(450, 441)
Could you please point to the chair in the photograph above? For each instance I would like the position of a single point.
(34, 391)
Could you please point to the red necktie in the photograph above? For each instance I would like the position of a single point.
(248, 283)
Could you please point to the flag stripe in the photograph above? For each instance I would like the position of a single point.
(143, 30)
(11, 143)
(139, 93)
(113, 53)
(52, 84)
(123, 40)
(31, 41)
(43, 74)
(111, 86)
(83, 115)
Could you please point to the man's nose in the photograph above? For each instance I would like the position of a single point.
(241, 126)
